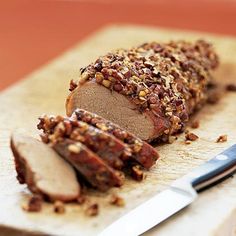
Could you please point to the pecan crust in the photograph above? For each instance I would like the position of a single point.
(170, 80)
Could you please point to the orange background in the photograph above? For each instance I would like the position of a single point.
(34, 31)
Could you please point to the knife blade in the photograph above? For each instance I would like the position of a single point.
(180, 194)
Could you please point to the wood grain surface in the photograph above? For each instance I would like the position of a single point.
(45, 90)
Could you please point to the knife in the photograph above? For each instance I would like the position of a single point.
(180, 194)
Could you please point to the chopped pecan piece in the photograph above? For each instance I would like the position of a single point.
(195, 124)
(59, 207)
(117, 201)
(137, 173)
(191, 137)
(231, 87)
(34, 204)
(92, 210)
(222, 138)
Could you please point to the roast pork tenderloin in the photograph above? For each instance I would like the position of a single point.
(149, 90)
(142, 152)
(43, 170)
(106, 146)
(89, 165)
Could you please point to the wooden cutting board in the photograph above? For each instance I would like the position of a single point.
(45, 90)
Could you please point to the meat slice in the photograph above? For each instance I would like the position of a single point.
(114, 107)
(149, 90)
(43, 170)
(105, 145)
(93, 168)
(142, 152)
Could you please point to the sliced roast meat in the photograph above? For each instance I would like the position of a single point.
(105, 145)
(113, 106)
(92, 167)
(142, 152)
(43, 170)
(149, 90)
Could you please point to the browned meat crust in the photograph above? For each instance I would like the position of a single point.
(142, 152)
(40, 168)
(93, 168)
(105, 145)
(166, 82)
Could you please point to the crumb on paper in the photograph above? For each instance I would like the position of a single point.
(117, 201)
(195, 124)
(92, 209)
(59, 207)
(34, 204)
(191, 137)
(187, 142)
(222, 138)
(81, 199)
(231, 87)
(214, 97)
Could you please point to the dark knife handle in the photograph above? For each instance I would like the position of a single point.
(213, 170)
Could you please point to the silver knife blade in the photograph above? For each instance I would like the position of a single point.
(152, 212)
